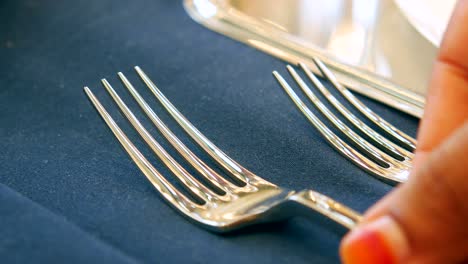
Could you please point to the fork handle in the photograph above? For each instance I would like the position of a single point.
(328, 207)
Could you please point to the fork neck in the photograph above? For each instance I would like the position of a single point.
(321, 208)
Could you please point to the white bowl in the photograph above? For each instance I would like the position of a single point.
(429, 17)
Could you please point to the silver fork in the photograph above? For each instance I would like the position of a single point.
(388, 161)
(247, 200)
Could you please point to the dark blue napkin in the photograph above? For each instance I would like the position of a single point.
(69, 193)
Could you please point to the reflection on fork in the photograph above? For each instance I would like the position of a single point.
(382, 157)
(220, 204)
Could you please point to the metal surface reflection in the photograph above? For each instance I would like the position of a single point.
(371, 34)
(368, 43)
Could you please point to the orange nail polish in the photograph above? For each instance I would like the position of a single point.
(367, 247)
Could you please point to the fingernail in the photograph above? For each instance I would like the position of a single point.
(380, 241)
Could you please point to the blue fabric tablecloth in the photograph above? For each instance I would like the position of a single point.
(68, 191)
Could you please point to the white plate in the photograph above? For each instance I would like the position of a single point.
(429, 17)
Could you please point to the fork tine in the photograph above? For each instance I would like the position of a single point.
(212, 176)
(188, 181)
(389, 146)
(166, 189)
(376, 119)
(232, 167)
(356, 139)
(334, 140)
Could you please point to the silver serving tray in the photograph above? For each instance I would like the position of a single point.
(369, 44)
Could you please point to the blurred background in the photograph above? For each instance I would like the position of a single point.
(395, 39)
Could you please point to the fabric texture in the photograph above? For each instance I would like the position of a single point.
(69, 193)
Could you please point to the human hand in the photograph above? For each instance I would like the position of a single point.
(425, 220)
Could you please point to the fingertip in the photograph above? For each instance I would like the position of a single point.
(379, 241)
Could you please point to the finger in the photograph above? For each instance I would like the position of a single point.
(423, 221)
(447, 101)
